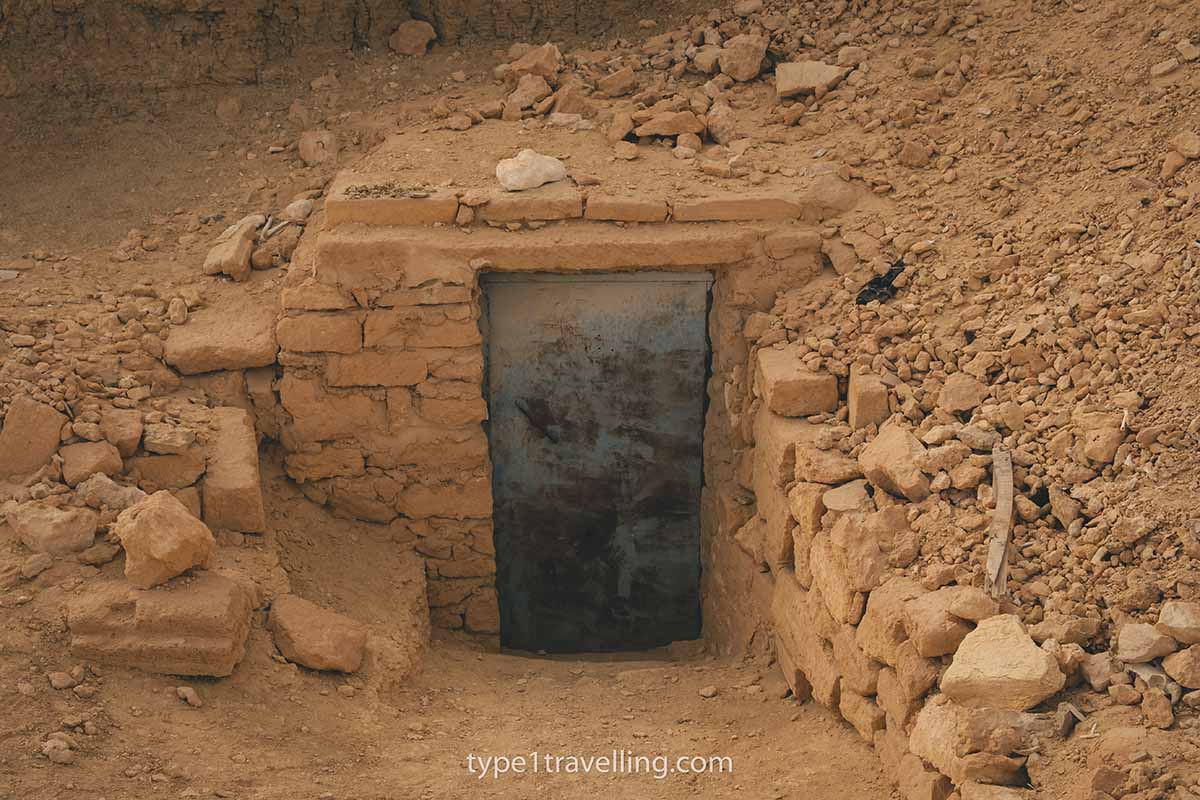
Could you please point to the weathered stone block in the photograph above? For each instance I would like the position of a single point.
(554, 201)
(378, 369)
(471, 499)
(915, 673)
(806, 77)
(830, 467)
(857, 550)
(892, 698)
(453, 412)
(82, 461)
(122, 428)
(1140, 643)
(1181, 621)
(424, 296)
(325, 333)
(196, 627)
(890, 462)
(168, 471)
(232, 492)
(216, 339)
(101, 491)
(318, 415)
(230, 252)
(30, 436)
(737, 207)
(1184, 667)
(57, 531)
(882, 628)
(614, 208)
(807, 507)
(429, 446)
(482, 613)
(314, 296)
(384, 210)
(861, 712)
(830, 577)
(315, 637)
(930, 625)
(860, 673)
(976, 744)
(410, 329)
(793, 675)
(918, 783)
(791, 390)
(329, 462)
(867, 400)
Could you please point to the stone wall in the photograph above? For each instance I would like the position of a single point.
(383, 363)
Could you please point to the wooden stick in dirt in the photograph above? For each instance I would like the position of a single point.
(995, 579)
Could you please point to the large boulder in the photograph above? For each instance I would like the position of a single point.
(890, 462)
(162, 540)
(198, 627)
(56, 531)
(315, 637)
(999, 666)
(31, 434)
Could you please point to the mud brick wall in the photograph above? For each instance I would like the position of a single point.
(385, 406)
(382, 359)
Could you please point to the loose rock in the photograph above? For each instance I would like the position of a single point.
(162, 540)
(529, 170)
(315, 637)
(998, 665)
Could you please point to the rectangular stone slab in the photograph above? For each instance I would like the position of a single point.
(232, 490)
(194, 626)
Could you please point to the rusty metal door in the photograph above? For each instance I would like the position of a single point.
(596, 392)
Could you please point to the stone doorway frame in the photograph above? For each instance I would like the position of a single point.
(382, 357)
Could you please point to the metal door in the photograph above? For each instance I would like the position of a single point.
(596, 391)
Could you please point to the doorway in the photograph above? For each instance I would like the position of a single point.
(596, 394)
